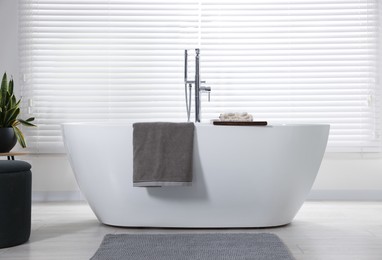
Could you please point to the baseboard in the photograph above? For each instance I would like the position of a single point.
(47, 196)
(351, 195)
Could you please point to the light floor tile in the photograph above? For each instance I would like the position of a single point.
(320, 231)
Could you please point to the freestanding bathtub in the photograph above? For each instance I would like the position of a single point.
(244, 176)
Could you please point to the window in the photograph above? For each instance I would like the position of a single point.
(295, 61)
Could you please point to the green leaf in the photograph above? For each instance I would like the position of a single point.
(7, 101)
(20, 137)
(3, 118)
(11, 116)
(4, 81)
(13, 101)
(3, 90)
(10, 87)
(23, 122)
(30, 119)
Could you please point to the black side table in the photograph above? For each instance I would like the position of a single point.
(11, 155)
(15, 202)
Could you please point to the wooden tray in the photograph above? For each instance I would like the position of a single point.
(242, 123)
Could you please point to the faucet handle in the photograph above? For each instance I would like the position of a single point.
(208, 90)
(193, 81)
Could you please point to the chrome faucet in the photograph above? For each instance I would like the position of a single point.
(197, 83)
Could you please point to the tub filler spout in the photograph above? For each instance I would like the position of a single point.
(198, 87)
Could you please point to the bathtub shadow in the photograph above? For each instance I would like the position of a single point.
(196, 192)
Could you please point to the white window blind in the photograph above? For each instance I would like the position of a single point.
(295, 61)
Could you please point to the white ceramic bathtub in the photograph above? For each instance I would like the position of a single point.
(244, 176)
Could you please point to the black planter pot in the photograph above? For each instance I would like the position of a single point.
(7, 139)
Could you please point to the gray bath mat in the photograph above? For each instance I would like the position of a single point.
(217, 246)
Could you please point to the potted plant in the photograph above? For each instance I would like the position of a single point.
(10, 132)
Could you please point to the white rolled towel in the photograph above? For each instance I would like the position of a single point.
(243, 116)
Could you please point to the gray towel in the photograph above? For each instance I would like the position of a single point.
(162, 154)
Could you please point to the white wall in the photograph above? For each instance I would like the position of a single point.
(8, 38)
(349, 176)
(342, 176)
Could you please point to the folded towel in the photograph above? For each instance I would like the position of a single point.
(162, 154)
(244, 116)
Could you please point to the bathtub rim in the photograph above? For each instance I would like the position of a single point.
(127, 123)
